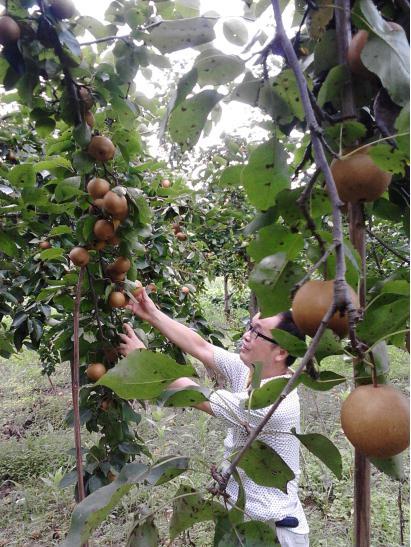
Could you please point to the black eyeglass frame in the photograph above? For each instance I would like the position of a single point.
(258, 334)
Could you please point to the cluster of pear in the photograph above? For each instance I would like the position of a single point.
(10, 31)
(178, 231)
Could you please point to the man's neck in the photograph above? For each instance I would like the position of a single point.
(273, 370)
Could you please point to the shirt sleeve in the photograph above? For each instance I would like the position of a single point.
(230, 365)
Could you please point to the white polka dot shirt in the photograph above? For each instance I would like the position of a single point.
(262, 502)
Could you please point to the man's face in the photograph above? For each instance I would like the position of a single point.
(255, 349)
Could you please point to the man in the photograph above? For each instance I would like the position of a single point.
(281, 511)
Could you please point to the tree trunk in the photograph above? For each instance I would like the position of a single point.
(357, 236)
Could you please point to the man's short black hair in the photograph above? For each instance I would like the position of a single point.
(287, 323)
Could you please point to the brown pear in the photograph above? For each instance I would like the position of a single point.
(98, 188)
(103, 230)
(312, 301)
(62, 9)
(115, 204)
(117, 300)
(101, 148)
(376, 420)
(358, 178)
(9, 30)
(95, 371)
(79, 256)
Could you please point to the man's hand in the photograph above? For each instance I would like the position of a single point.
(129, 341)
(145, 307)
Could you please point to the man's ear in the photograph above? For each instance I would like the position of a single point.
(282, 355)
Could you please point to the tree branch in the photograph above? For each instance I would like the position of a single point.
(75, 385)
(383, 244)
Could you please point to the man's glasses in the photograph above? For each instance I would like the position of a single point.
(257, 334)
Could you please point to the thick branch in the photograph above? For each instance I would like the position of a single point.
(341, 295)
(75, 386)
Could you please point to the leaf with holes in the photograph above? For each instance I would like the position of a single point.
(189, 507)
(329, 344)
(188, 118)
(285, 85)
(265, 467)
(216, 68)
(144, 375)
(253, 533)
(144, 534)
(333, 86)
(266, 174)
(319, 18)
(171, 36)
(272, 280)
(235, 31)
(389, 159)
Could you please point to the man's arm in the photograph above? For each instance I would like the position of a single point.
(180, 335)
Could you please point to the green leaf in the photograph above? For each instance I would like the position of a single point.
(95, 27)
(285, 85)
(188, 118)
(253, 533)
(231, 176)
(45, 126)
(51, 254)
(171, 36)
(398, 286)
(333, 86)
(267, 394)
(144, 534)
(393, 467)
(216, 68)
(183, 397)
(266, 174)
(52, 163)
(381, 319)
(82, 134)
(128, 142)
(329, 344)
(387, 54)
(190, 509)
(167, 468)
(326, 380)
(248, 90)
(91, 512)
(265, 467)
(272, 280)
(273, 239)
(319, 18)
(389, 159)
(8, 245)
(22, 175)
(125, 111)
(324, 449)
(82, 162)
(325, 51)
(235, 31)
(144, 374)
(287, 341)
(402, 125)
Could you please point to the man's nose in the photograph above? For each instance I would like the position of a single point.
(247, 335)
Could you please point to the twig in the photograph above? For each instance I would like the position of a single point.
(323, 258)
(75, 385)
(306, 157)
(302, 202)
(91, 283)
(106, 39)
(393, 251)
(401, 513)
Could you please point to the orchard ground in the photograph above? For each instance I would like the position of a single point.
(34, 445)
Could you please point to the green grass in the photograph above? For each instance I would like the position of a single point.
(35, 512)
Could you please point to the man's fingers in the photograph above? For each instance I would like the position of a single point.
(128, 329)
(123, 337)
